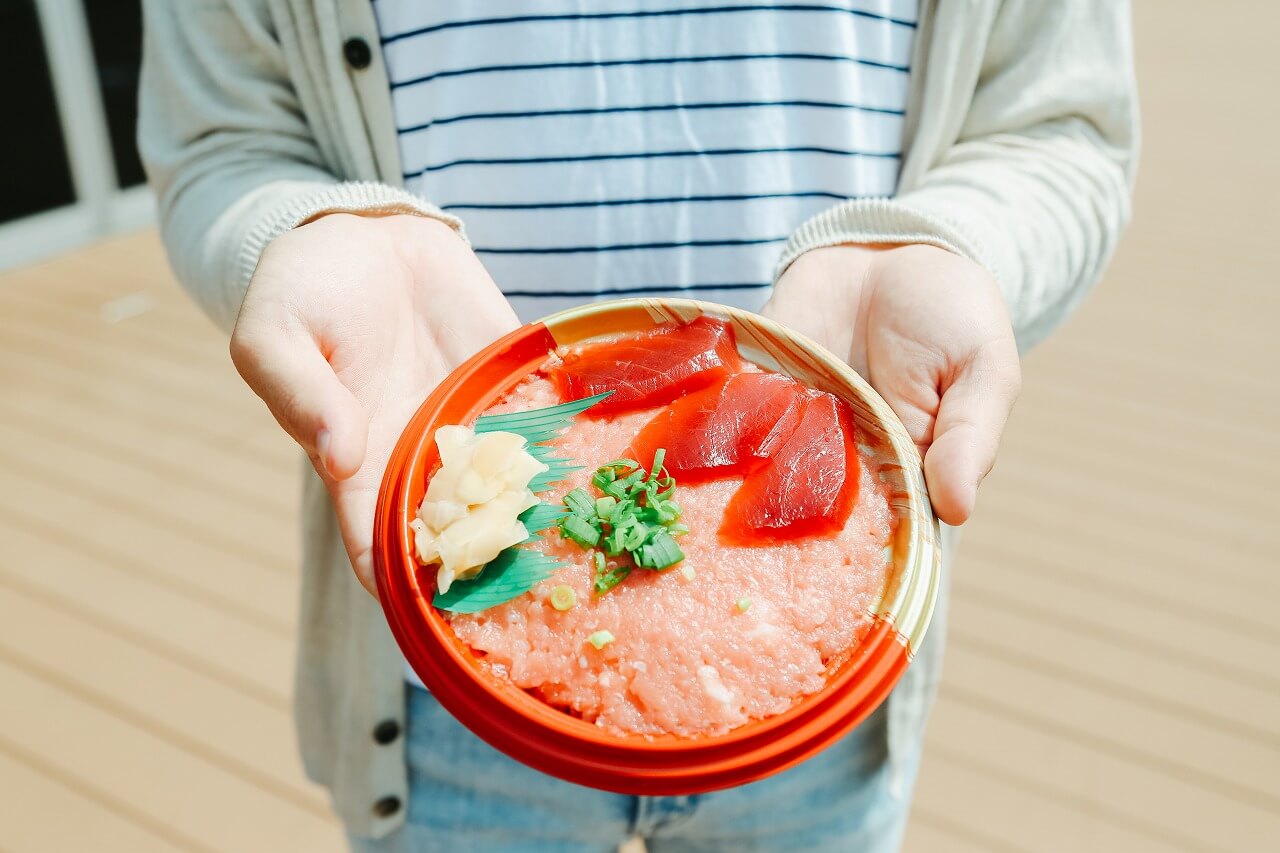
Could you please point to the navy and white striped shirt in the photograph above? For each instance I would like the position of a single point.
(644, 146)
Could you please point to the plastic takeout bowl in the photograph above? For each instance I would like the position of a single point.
(555, 742)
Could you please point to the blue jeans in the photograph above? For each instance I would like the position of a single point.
(464, 795)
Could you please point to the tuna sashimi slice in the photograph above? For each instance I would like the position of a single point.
(649, 369)
(726, 430)
(809, 486)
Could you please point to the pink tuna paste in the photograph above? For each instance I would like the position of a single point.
(686, 659)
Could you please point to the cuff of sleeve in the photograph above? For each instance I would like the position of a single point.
(878, 220)
(351, 197)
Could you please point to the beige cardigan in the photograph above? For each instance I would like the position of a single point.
(1020, 147)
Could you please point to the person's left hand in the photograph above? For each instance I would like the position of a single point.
(929, 330)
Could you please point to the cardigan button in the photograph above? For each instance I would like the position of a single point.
(386, 732)
(358, 54)
(387, 806)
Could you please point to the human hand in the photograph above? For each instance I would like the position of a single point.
(348, 324)
(929, 330)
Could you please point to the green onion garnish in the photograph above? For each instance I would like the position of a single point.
(660, 552)
(744, 604)
(580, 530)
(600, 639)
(636, 517)
(580, 503)
(563, 597)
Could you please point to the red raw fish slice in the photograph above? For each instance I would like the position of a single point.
(808, 488)
(649, 369)
(725, 430)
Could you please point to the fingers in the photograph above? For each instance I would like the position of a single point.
(287, 370)
(355, 502)
(971, 418)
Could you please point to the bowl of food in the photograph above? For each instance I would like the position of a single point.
(656, 546)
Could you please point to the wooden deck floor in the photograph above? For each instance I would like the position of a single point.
(1113, 676)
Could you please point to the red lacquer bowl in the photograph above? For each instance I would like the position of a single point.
(555, 742)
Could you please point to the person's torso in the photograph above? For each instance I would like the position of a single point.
(611, 149)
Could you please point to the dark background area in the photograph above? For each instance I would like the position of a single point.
(115, 28)
(34, 172)
(33, 159)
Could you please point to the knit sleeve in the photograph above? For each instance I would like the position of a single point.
(1036, 186)
(228, 149)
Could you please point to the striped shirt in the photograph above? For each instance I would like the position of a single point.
(632, 147)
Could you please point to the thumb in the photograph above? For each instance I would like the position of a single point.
(289, 372)
(971, 418)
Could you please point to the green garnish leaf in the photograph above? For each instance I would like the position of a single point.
(535, 422)
(540, 517)
(509, 575)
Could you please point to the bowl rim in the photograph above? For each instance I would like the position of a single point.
(565, 743)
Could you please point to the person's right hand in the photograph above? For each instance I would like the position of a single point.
(348, 324)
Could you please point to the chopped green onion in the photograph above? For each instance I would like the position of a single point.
(608, 580)
(621, 511)
(744, 604)
(688, 573)
(659, 456)
(600, 639)
(660, 552)
(580, 503)
(579, 530)
(563, 597)
(615, 489)
(635, 517)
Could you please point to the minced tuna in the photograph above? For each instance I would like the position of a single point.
(729, 635)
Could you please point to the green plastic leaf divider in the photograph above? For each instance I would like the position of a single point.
(512, 573)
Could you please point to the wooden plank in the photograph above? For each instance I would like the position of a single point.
(1230, 481)
(983, 726)
(45, 814)
(185, 629)
(30, 378)
(1227, 761)
(930, 832)
(1167, 681)
(991, 811)
(210, 808)
(81, 315)
(1095, 567)
(1125, 506)
(196, 713)
(172, 378)
(241, 533)
(39, 513)
(169, 455)
(1041, 528)
(1210, 643)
